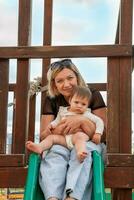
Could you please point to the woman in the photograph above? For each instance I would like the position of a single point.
(61, 175)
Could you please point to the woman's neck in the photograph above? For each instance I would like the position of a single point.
(66, 98)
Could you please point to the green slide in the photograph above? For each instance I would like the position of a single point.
(98, 181)
(32, 188)
(33, 191)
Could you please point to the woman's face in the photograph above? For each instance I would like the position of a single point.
(65, 80)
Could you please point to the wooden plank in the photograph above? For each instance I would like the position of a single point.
(125, 37)
(119, 177)
(12, 160)
(66, 51)
(125, 105)
(120, 194)
(4, 74)
(12, 177)
(13, 118)
(24, 26)
(120, 160)
(21, 109)
(21, 114)
(126, 20)
(125, 77)
(98, 86)
(32, 111)
(31, 124)
(48, 9)
(47, 37)
(113, 106)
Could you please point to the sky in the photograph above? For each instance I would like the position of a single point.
(76, 22)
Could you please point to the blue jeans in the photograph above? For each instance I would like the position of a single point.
(60, 172)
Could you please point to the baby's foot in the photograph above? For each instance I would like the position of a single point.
(82, 155)
(33, 147)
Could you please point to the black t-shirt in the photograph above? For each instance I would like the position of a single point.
(51, 104)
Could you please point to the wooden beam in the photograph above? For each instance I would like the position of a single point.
(113, 105)
(32, 113)
(126, 18)
(125, 69)
(22, 85)
(4, 76)
(125, 105)
(24, 22)
(98, 86)
(13, 160)
(48, 12)
(12, 177)
(47, 40)
(119, 177)
(120, 160)
(66, 51)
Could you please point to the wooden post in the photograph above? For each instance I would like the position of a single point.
(4, 73)
(21, 114)
(48, 8)
(121, 106)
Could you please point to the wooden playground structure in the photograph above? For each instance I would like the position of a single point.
(119, 173)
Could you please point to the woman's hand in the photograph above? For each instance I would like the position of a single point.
(102, 113)
(72, 124)
(96, 138)
(58, 130)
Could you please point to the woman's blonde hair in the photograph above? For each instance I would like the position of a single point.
(53, 71)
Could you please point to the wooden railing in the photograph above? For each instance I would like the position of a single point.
(120, 170)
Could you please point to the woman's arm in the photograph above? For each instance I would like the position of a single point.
(102, 113)
(45, 121)
(72, 124)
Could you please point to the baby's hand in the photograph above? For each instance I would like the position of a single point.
(96, 138)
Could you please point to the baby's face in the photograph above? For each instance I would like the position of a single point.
(78, 104)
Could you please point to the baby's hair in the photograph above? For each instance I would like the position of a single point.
(83, 92)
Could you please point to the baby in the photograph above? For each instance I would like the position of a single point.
(79, 103)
